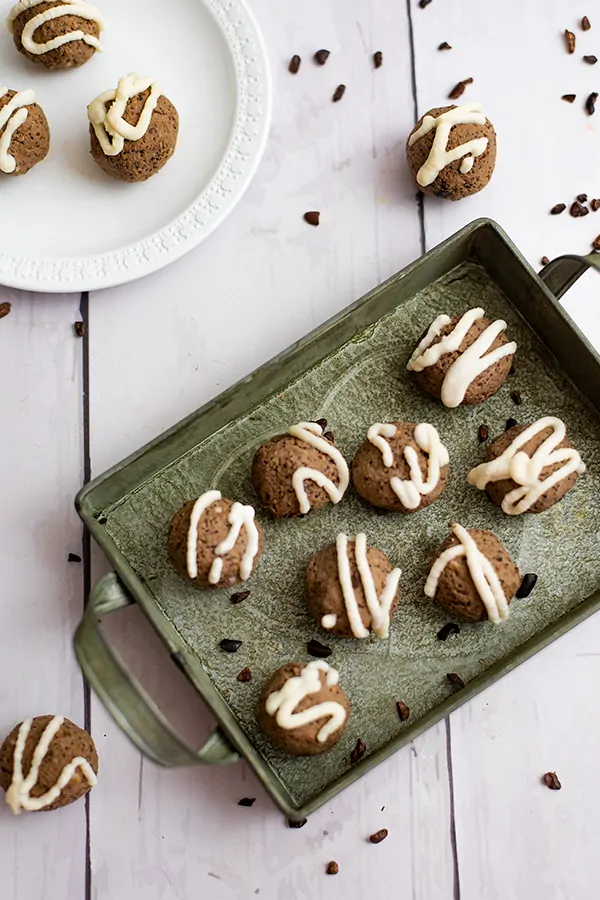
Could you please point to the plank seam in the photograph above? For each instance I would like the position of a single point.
(413, 78)
(453, 842)
(84, 311)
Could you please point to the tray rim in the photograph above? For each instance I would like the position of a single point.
(192, 666)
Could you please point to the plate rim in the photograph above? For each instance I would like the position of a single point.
(63, 275)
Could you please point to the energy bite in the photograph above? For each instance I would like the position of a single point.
(473, 576)
(214, 542)
(463, 359)
(46, 763)
(133, 129)
(352, 589)
(300, 471)
(24, 132)
(63, 34)
(401, 466)
(451, 151)
(529, 468)
(302, 708)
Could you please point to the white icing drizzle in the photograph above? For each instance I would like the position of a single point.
(379, 607)
(12, 116)
(69, 8)
(469, 364)
(239, 517)
(526, 470)
(312, 433)
(106, 113)
(439, 156)
(18, 796)
(329, 621)
(283, 702)
(409, 492)
(481, 570)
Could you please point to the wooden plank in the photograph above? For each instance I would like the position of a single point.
(514, 836)
(40, 373)
(262, 281)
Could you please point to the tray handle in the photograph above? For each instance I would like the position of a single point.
(124, 697)
(562, 273)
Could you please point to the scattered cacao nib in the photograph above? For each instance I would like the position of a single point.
(516, 397)
(444, 46)
(339, 92)
(590, 103)
(79, 328)
(577, 210)
(245, 675)
(239, 596)
(316, 648)
(230, 646)
(582, 198)
(570, 98)
(358, 752)
(585, 23)
(596, 243)
(322, 423)
(591, 60)
(73, 557)
(551, 781)
(329, 436)
(424, 3)
(449, 629)
(294, 64)
(527, 585)
(455, 679)
(545, 260)
(321, 57)
(332, 868)
(378, 59)
(510, 423)
(5, 308)
(247, 801)
(570, 38)
(379, 836)
(459, 89)
(558, 209)
(513, 367)
(595, 205)
(483, 433)
(403, 710)
(312, 217)
(297, 823)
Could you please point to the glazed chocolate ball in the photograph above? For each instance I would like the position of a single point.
(30, 140)
(65, 41)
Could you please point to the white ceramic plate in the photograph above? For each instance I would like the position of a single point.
(66, 226)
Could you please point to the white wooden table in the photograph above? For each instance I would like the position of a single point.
(466, 813)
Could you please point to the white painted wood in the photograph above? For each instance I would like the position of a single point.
(41, 856)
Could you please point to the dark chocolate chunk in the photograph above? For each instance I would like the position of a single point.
(558, 209)
(591, 59)
(595, 204)
(239, 596)
(322, 423)
(321, 57)
(378, 59)
(447, 631)
(403, 710)
(570, 41)
(73, 557)
(510, 423)
(577, 210)
(516, 397)
(230, 646)
(590, 103)
(245, 675)
(297, 823)
(527, 585)
(424, 3)
(358, 752)
(332, 868)
(596, 243)
(570, 98)
(455, 679)
(483, 433)
(247, 801)
(582, 198)
(339, 92)
(444, 46)
(316, 648)
(459, 89)
(79, 329)
(294, 64)
(5, 308)
(551, 781)
(379, 836)
(585, 23)
(312, 217)
(545, 260)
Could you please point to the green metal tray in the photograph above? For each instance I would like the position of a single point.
(352, 371)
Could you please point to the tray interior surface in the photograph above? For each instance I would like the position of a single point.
(366, 381)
